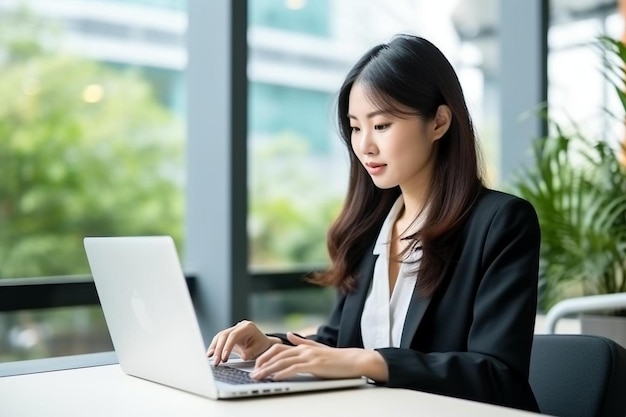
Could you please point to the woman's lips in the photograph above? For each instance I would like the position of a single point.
(374, 168)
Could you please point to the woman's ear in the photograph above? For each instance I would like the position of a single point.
(442, 121)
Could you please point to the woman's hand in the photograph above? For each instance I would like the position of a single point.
(245, 339)
(282, 361)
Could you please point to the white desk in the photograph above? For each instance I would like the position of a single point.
(107, 391)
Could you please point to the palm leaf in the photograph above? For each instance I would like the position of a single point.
(581, 206)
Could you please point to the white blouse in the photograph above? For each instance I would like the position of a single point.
(383, 316)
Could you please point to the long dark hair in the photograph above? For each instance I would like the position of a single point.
(409, 72)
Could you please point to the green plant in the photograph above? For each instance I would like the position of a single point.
(73, 167)
(290, 210)
(577, 185)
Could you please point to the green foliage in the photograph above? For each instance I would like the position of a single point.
(84, 150)
(578, 187)
(113, 166)
(290, 208)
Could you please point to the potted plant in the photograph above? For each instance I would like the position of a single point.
(577, 185)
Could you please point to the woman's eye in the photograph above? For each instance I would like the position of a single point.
(382, 127)
(354, 128)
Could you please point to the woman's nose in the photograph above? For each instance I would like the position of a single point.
(366, 144)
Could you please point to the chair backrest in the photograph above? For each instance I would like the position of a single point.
(578, 375)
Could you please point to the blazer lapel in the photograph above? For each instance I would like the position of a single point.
(414, 316)
(350, 327)
(417, 308)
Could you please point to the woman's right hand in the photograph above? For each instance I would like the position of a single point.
(245, 339)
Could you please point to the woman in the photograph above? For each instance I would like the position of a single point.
(437, 275)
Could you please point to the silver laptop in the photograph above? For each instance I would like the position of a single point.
(153, 326)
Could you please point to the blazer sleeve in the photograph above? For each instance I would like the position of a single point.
(494, 368)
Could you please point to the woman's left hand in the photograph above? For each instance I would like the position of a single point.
(283, 361)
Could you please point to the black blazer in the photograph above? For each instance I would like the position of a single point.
(472, 339)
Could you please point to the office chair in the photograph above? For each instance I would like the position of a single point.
(578, 375)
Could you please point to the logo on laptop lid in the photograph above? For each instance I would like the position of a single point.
(140, 312)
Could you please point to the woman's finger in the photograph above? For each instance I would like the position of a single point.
(219, 352)
(271, 353)
(279, 368)
(211, 349)
(213, 344)
(296, 339)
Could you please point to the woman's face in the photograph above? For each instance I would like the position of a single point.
(394, 150)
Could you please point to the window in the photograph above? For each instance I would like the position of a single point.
(573, 56)
(299, 53)
(92, 144)
(130, 158)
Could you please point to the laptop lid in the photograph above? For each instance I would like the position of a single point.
(147, 308)
(152, 322)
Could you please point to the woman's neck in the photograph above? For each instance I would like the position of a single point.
(414, 203)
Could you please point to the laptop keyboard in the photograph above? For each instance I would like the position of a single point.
(232, 375)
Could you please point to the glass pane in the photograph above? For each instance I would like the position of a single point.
(91, 143)
(91, 128)
(300, 311)
(292, 15)
(299, 53)
(574, 56)
(52, 332)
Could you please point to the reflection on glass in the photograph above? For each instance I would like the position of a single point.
(91, 132)
(299, 53)
(52, 332)
(91, 143)
(573, 56)
(300, 311)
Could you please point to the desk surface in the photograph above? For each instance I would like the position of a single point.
(107, 391)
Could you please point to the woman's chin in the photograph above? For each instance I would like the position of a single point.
(382, 184)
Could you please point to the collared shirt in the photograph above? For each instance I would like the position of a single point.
(383, 316)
